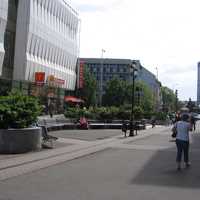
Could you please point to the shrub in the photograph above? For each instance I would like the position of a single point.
(72, 113)
(18, 110)
(161, 116)
(138, 112)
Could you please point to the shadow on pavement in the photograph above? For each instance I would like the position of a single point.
(161, 169)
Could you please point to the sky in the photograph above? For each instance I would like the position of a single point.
(163, 34)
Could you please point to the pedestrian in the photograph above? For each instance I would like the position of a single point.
(124, 127)
(182, 140)
(83, 123)
(177, 117)
(153, 121)
(193, 123)
(51, 109)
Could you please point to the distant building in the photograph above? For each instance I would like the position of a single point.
(198, 84)
(39, 38)
(121, 68)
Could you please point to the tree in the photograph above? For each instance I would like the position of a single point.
(88, 92)
(169, 99)
(146, 98)
(143, 96)
(119, 93)
(115, 92)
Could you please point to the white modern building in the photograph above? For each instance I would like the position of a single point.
(198, 85)
(3, 22)
(46, 41)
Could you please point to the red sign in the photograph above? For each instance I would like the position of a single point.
(39, 78)
(81, 75)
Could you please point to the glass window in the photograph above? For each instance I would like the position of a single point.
(9, 44)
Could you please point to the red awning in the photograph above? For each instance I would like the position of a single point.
(73, 99)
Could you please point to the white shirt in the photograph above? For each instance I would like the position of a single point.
(183, 129)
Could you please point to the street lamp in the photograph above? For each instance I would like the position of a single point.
(101, 78)
(176, 101)
(134, 71)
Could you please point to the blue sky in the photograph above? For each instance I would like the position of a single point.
(162, 34)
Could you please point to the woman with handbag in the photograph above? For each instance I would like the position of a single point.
(182, 140)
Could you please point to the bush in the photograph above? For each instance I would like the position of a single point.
(138, 112)
(105, 113)
(161, 116)
(72, 113)
(18, 111)
(124, 112)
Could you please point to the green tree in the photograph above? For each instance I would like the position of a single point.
(143, 96)
(169, 99)
(146, 97)
(115, 92)
(88, 92)
(119, 93)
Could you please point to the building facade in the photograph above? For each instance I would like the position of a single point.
(198, 84)
(105, 69)
(3, 22)
(39, 37)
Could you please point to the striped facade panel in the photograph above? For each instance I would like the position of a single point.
(3, 22)
(198, 84)
(51, 42)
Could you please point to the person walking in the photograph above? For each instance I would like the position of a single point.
(51, 109)
(124, 127)
(153, 121)
(182, 140)
(193, 123)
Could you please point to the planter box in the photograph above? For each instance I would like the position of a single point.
(20, 140)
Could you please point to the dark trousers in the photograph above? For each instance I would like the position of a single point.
(182, 146)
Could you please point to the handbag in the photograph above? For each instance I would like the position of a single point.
(174, 131)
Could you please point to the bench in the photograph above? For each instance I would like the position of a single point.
(47, 140)
(137, 125)
(56, 124)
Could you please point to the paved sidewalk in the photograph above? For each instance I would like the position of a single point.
(66, 148)
(141, 167)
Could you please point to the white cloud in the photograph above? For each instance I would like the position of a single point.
(161, 33)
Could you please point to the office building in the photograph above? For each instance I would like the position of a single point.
(39, 42)
(105, 69)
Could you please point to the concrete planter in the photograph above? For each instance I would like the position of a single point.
(20, 140)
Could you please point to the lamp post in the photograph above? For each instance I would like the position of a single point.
(133, 65)
(176, 101)
(101, 78)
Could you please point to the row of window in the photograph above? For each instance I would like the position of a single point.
(53, 37)
(50, 53)
(56, 16)
(110, 69)
(108, 78)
